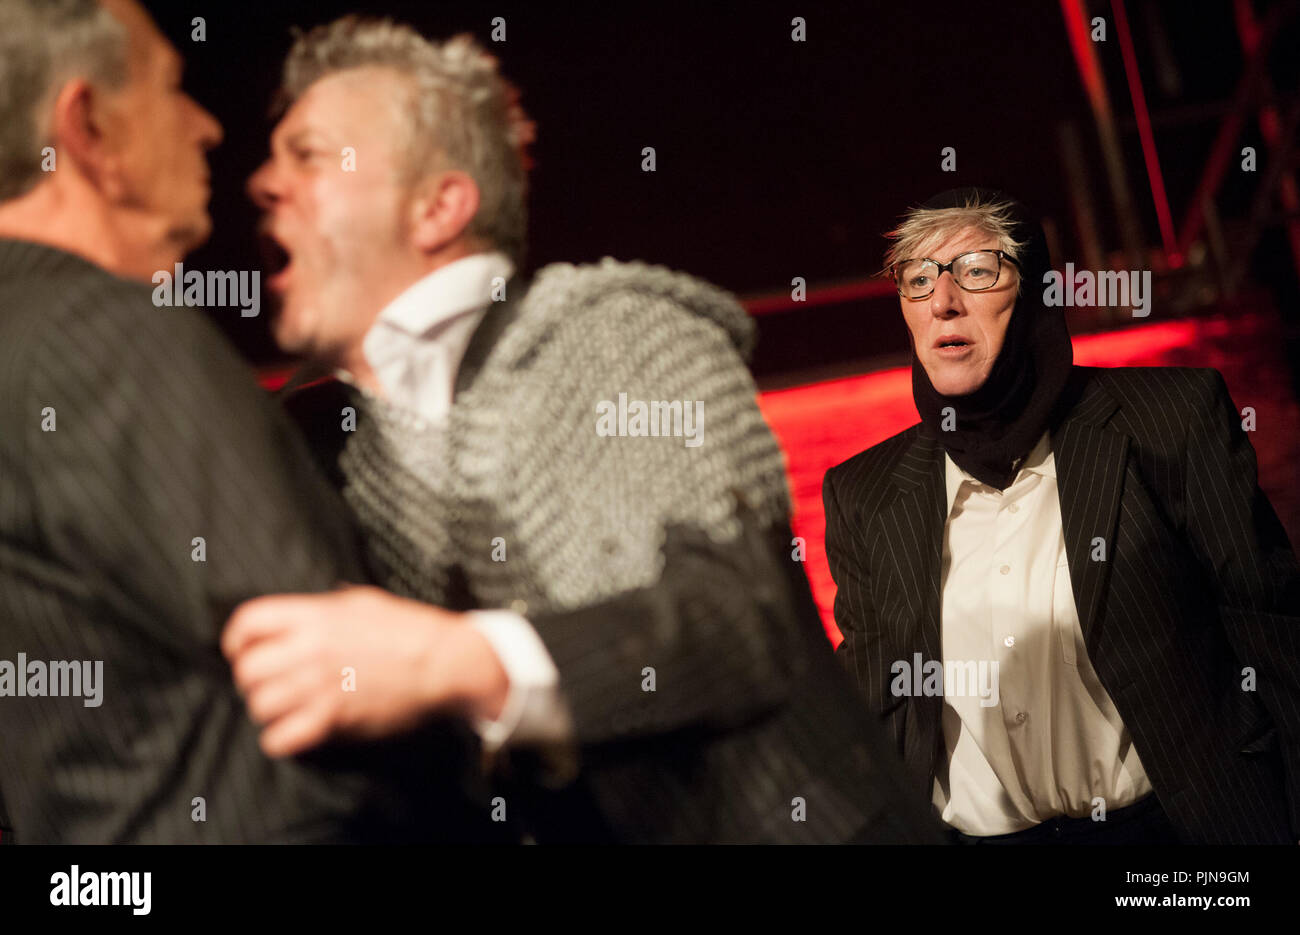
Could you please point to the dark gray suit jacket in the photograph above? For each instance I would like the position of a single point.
(1200, 583)
(159, 437)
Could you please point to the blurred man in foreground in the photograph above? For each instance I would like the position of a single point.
(148, 485)
(582, 453)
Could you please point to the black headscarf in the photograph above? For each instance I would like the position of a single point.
(999, 423)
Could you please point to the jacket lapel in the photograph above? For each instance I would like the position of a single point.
(485, 337)
(1090, 462)
(912, 538)
(917, 547)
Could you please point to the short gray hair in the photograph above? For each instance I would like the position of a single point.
(464, 114)
(922, 226)
(44, 43)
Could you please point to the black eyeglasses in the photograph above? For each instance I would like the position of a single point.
(975, 272)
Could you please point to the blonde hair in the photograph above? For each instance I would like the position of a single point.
(921, 227)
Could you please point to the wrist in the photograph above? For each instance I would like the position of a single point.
(481, 684)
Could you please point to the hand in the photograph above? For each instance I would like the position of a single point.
(356, 662)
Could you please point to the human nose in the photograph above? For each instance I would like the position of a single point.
(946, 300)
(263, 187)
(209, 128)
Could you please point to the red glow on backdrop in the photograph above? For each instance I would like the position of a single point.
(822, 424)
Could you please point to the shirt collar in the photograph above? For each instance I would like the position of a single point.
(460, 286)
(427, 307)
(1040, 460)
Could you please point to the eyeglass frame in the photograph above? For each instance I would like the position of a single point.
(947, 268)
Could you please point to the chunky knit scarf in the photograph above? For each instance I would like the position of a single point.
(518, 500)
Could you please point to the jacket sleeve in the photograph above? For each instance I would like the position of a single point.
(1244, 550)
(713, 644)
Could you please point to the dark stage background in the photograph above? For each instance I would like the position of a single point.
(776, 158)
(779, 159)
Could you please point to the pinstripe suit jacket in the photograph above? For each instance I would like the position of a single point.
(126, 433)
(1199, 584)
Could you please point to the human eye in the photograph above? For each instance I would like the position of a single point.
(979, 268)
(303, 153)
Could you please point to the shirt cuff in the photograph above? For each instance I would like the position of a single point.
(535, 711)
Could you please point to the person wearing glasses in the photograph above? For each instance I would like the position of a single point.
(1063, 592)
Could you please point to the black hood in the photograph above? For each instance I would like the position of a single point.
(998, 424)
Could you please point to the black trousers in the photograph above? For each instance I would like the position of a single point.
(1143, 822)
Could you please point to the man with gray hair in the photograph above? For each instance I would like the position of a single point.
(646, 634)
(148, 486)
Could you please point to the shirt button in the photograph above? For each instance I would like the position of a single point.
(1009, 641)
(1015, 507)
(1005, 569)
(1020, 717)
(519, 606)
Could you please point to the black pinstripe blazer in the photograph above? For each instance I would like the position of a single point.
(1199, 584)
(127, 432)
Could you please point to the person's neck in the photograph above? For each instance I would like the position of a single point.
(353, 360)
(353, 363)
(87, 227)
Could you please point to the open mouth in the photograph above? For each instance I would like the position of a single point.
(276, 261)
(951, 345)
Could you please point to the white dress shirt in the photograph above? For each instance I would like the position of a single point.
(415, 348)
(1054, 741)
(416, 344)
